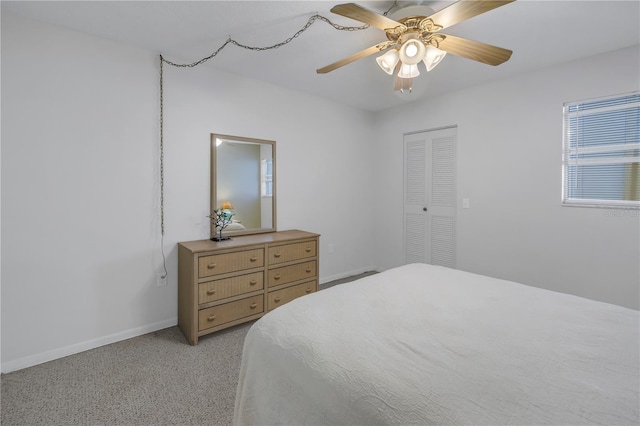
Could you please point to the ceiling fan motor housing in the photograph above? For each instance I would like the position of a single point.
(415, 10)
(410, 17)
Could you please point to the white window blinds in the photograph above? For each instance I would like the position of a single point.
(266, 171)
(601, 152)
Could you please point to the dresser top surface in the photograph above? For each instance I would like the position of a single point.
(246, 240)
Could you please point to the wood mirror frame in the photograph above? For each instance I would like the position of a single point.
(239, 176)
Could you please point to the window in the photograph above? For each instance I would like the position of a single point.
(267, 177)
(601, 152)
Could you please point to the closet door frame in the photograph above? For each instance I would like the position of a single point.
(430, 196)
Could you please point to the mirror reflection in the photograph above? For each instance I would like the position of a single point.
(243, 183)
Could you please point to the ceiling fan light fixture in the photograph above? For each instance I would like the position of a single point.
(388, 61)
(412, 51)
(433, 56)
(408, 71)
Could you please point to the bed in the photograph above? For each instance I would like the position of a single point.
(428, 345)
(235, 226)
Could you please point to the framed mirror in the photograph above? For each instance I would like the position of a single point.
(243, 183)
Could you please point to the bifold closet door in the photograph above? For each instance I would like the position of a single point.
(430, 197)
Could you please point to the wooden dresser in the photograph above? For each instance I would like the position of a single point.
(225, 283)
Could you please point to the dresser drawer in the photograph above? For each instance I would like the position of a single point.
(288, 274)
(230, 262)
(221, 314)
(280, 297)
(295, 251)
(229, 287)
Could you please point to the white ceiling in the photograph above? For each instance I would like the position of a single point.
(541, 33)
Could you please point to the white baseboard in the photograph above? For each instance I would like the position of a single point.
(32, 360)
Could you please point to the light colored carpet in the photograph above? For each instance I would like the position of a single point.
(155, 379)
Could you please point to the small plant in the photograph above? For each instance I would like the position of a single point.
(220, 219)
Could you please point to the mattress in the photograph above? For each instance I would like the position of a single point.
(428, 345)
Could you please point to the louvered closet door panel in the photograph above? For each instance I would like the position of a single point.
(416, 182)
(415, 244)
(443, 241)
(443, 198)
(415, 168)
(443, 172)
(430, 197)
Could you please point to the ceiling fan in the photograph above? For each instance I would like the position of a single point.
(413, 34)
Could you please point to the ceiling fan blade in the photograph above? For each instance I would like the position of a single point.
(463, 10)
(401, 84)
(475, 50)
(359, 13)
(362, 54)
(398, 83)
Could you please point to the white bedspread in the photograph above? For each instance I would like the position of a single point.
(428, 345)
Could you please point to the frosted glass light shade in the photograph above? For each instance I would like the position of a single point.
(433, 56)
(412, 51)
(408, 71)
(388, 61)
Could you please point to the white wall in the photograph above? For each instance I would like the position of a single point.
(80, 186)
(509, 166)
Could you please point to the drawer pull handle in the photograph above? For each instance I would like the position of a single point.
(308, 249)
(211, 265)
(211, 318)
(253, 305)
(277, 277)
(308, 270)
(253, 259)
(210, 292)
(308, 290)
(276, 255)
(253, 282)
(277, 299)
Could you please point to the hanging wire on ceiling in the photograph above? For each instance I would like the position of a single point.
(310, 22)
